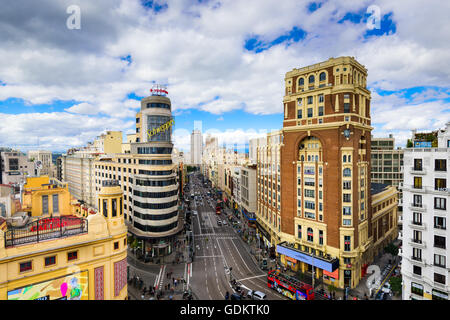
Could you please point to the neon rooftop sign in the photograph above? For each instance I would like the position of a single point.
(159, 90)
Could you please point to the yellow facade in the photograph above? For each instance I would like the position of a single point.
(113, 142)
(88, 264)
(36, 188)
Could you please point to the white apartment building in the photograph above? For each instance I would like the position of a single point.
(425, 251)
(45, 157)
(78, 165)
(268, 215)
(248, 190)
(14, 167)
(196, 147)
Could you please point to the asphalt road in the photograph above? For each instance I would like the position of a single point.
(217, 249)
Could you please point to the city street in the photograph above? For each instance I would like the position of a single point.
(220, 255)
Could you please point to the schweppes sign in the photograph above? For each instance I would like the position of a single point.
(161, 128)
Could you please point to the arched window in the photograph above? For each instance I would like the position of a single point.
(301, 81)
(317, 158)
(303, 158)
(349, 158)
(310, 234)
(309, 158)
(311, 79)
(347, 172)
(322, 76)
(344, 158)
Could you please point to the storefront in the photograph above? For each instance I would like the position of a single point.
(289, 254)
(249, 218)
(264, 235)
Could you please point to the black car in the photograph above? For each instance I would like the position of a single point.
(235, 296)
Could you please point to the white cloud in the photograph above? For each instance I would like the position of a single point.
(197, 48)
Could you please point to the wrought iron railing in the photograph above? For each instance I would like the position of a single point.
(45, 229)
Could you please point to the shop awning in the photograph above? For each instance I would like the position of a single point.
(329, 264)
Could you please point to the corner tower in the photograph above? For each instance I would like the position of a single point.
(325, 175)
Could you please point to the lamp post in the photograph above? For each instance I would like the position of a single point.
(313, 270)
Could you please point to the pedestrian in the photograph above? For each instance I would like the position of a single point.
(173, 280)
(168, 286)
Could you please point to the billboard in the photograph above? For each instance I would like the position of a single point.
(69, 287)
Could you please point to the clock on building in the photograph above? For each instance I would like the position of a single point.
(347, 133)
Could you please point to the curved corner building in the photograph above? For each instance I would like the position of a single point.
(155, 188)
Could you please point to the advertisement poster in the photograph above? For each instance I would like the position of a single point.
(70, 287)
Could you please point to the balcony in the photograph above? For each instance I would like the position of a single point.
(417, 171)
(418, 207)
(417, 243)
(46, 229)
(417, 226)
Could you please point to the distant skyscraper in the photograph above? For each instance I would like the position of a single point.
(196, 147)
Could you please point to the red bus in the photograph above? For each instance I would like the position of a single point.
(289, 286)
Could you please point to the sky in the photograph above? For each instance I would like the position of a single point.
(66, 77)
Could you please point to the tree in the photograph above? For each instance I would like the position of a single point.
(409, 144)
(396, 285)
(392, 249)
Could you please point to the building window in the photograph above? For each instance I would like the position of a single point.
(321, 98)
(440, 184)
(320, 111)
(310, 235)
(439, 260)
(116, 245)
(440, 203)
(299, 113)
(439, 295)
(417, 218)
(55, 203)
(310, 99)
(417, 254)
(299, 230)
(25, 266)
(301, 82)
(73, 255)
(45, 204)
(347, 172)
(322, 76)
(440, 165)
(347, 244)
(347, 211)
(439, 242)
(310, 112)
(417, 236)
(346, 107)
(320, 237)
(347, 197)
(346, 185)
(417, 200)
(417, 289)
(311, 79)
(439, 278)
(49, 261)
(439, 223)
(417, 182)
(347, 222)
(417, 270)
(418, 164)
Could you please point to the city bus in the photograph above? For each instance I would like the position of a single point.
(289, 286)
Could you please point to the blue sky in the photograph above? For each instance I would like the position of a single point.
(223, 63)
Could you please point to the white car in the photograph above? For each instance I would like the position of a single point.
(256, 295)
(194, 212)
(386, 288)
